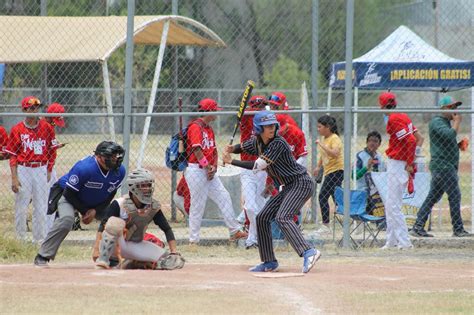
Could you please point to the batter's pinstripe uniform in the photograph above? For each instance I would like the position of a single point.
(296, 188)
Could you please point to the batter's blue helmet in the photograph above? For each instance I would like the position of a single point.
(264, 118)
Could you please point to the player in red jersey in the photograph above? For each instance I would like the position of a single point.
(403, 141)
(55, 108)
(297, 141)
(278, 102)
(253, 184)
(3, 143)
(31, 145)
(200, 174)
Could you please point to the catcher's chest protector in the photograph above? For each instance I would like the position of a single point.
(137, 224)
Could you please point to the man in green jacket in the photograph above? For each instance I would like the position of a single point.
(444, 148)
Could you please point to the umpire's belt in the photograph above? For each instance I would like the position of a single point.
(32, 164)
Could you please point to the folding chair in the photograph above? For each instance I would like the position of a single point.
(357, 214)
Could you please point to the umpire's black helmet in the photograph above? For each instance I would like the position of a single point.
(112, 152)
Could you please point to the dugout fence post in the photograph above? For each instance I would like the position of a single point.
(314, 94)
(151, 101)
(348, 119)
(127, 105)
(174, 11)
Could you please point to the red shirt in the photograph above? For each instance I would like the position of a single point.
(296, 139)
(246, 132)
(37, 144)
(402, 143)
(183, 191)
(3, 139)
(284, 119)
(201, 135)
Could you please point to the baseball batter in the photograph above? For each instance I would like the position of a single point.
(132, 213)
(253, 184)
(89, 187)
(32, 147)
(296, 187)
(401, 155)
(200, 174)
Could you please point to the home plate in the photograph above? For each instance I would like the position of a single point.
(277, 274)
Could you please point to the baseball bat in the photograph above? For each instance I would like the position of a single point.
(243, 105)
(180, 109)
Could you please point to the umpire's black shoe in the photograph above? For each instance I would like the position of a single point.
(461, 233)
(41, 261)
(420, 233)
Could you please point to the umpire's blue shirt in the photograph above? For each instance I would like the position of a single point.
(92, 185)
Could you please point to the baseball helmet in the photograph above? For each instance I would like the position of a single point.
(278, 100)
(57, 108)
(257, 101)
(264, 118)
(387, 99)
(141, 183)
(30, 101)
(112, 152)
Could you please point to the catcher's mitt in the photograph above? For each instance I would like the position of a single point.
(170, 262)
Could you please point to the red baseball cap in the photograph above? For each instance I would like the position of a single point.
(257, 100)
(57, 108)
(30, 101)
(208, 105)
(387, 98)
(278, 99)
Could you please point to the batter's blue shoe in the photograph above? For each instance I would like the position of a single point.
(310, 256)
(268, 266)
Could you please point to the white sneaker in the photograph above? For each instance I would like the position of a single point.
(409, 247)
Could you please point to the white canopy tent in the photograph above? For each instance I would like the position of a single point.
(404, 61)
(45, 39)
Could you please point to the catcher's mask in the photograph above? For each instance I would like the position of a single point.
(141, 184)
(112, 153)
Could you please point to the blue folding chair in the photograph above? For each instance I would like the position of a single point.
(357, 214)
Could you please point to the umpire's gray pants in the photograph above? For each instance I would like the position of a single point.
(282, 208)
(60, 229)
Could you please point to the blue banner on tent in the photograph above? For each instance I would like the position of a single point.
(2, 74)
(415, 75)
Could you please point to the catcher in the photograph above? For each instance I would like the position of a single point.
(122, 232)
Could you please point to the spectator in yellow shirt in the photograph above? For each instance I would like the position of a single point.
(330, 162)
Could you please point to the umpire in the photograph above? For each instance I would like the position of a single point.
(296, 187)
(88, 188)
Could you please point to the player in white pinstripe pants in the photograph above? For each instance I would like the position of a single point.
(296, 187)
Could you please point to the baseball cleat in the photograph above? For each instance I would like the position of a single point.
(310, 257)
(41, 261)
(268, 266)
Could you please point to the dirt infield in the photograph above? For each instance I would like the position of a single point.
(338, 284)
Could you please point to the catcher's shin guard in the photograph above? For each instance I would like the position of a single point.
(106, 249)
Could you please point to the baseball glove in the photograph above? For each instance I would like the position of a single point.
(170, 262)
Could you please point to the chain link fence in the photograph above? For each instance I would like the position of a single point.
(273, 43)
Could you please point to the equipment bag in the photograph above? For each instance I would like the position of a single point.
(174, 159)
